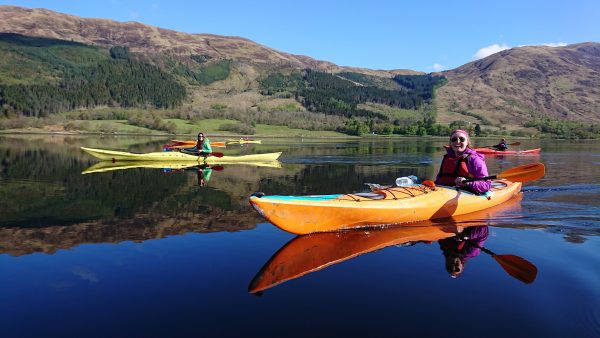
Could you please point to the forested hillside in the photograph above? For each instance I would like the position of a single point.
(45, 76)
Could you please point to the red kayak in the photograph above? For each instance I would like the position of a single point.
(491, 151)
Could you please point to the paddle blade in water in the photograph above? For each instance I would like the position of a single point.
(216, 154)
(524, 173)
(517, 267)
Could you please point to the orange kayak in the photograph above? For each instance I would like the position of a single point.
(490, 151)
(310, 253)
(396, 205)
(191, 143)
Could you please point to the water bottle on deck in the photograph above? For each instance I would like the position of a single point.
(406, 180)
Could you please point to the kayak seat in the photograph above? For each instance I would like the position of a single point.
(370, 195)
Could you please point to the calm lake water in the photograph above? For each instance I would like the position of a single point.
(147, 252)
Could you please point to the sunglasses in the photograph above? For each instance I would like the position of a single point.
(454, 139)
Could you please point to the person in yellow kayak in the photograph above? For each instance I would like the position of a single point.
(462, 162)
(459, 249)
(502, 146)
(202, 147)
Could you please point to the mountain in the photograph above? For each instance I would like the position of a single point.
(148, 39)
(54, 62)
(525, 83)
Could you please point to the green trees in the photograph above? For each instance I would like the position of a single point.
(41, 76)
(123, 83)
(341, 95)
(566, 129)
(334, 95)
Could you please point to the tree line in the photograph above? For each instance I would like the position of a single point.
(125, 83)
(334, 95)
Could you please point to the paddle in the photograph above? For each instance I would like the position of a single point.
(509, 144)
(199, 154)
(215, 154)
(515, 266)
(524, 173)
(213, 167)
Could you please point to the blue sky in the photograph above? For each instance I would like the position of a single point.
(420, 35)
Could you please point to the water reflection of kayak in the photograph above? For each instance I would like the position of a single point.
(310, 253)
(305, 254)
(110, 166)
(491, 151)
(320, 213)
(173, 156)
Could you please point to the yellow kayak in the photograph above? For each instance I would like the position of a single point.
(242, 141)
(173, 156)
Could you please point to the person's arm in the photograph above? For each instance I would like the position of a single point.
(478, 168)
(206, 148)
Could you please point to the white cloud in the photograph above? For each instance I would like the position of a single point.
(85, 274)
(555, 44)
(437, 67)
(489, 50)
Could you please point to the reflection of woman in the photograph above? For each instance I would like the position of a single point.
(459, 249)
(204, 173)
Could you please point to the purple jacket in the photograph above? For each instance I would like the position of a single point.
(471, 239)
(476, 238)
(477, 168)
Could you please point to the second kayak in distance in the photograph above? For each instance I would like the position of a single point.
(491, 151)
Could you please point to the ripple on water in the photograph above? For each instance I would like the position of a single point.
(375, 160)
(592, 317)
(572, 209)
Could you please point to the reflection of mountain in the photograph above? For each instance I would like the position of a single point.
(22, 241)
(42, 186)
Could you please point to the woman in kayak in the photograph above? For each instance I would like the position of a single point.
(465, 245)
(202, 147)
(502, 146)
(462, 162)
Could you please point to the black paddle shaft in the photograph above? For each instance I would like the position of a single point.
(485, 178)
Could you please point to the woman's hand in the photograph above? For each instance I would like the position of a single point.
(459, 181)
